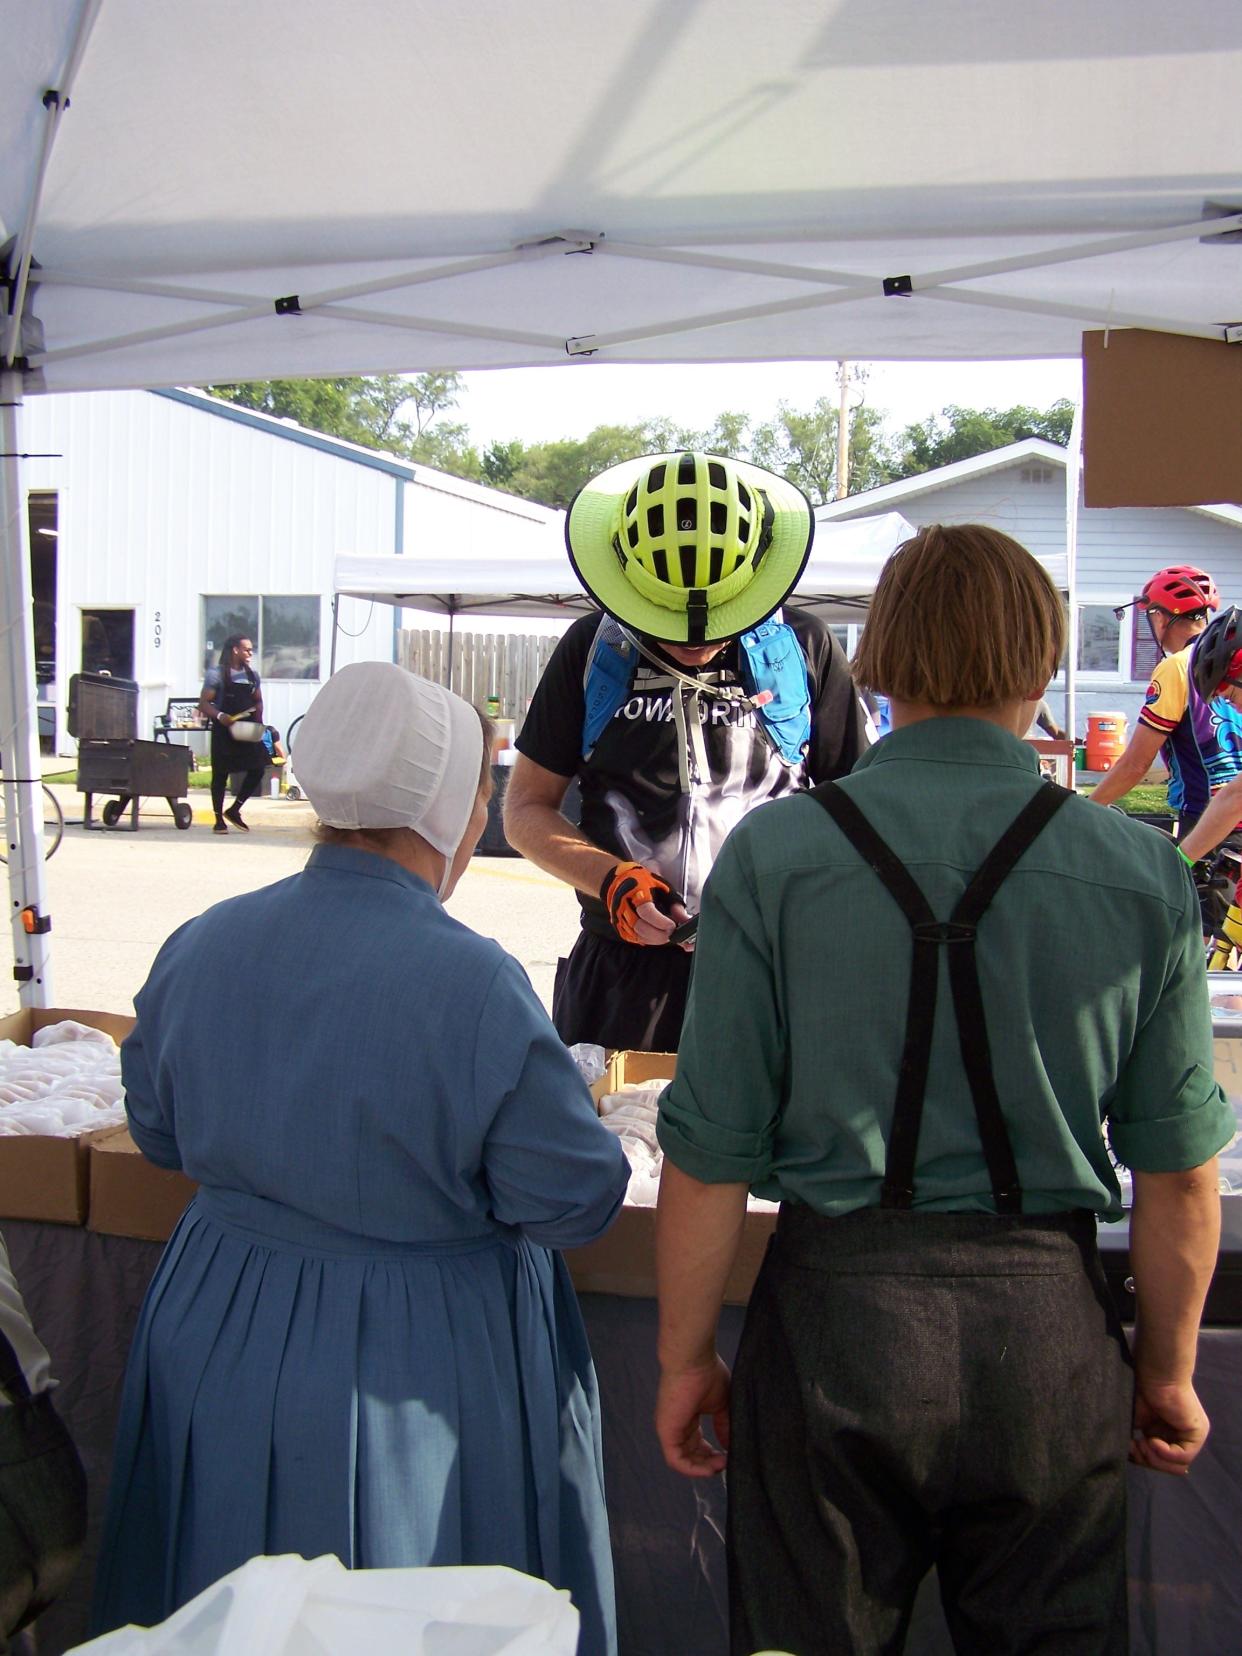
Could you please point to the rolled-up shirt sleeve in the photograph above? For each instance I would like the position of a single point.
(1168, 1112)
(552, 1168)
(718, 1116)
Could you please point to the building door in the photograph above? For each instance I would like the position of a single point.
(108, 642)
(44, 535)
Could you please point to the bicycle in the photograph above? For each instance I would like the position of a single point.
(53, 825)
(1222, 872)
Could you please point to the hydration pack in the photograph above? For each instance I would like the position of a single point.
(775, 683)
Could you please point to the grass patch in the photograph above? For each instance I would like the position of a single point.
(1148, 799)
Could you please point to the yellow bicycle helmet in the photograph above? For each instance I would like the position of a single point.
(689, 548)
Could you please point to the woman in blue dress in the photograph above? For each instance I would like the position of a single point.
(362, 1339)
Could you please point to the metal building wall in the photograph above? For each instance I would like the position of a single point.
(160, 502)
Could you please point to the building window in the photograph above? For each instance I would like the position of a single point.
(1104, 642)
(1099, 639)
(284, 632)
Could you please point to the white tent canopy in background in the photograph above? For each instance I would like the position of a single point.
(839, 578)
(272, 188)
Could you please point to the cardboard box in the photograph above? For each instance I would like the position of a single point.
(42, 1177)
(1160, 419)
(130, 1196)
(623, 1260)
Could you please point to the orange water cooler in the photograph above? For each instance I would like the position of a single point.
(1106, 740)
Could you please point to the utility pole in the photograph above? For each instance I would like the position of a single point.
(843, 430)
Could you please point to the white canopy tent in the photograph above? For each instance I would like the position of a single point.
(839, 578)
(261, 188)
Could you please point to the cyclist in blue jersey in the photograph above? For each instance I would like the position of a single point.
(1217, 677)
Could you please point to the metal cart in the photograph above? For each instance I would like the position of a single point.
(103, 715)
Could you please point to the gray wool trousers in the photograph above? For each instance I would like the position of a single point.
(916, 1391)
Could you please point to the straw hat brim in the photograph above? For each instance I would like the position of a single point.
(590, 523)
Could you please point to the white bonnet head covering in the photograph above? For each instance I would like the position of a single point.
(381, 748)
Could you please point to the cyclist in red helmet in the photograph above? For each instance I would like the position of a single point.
(1200, 741)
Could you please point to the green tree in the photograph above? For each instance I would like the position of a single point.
(802, 446)
(448, 448)
(501, 463)
(386, 411)
(959, 433)
(554, 472)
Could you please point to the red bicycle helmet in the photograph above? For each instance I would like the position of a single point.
(1180, 590)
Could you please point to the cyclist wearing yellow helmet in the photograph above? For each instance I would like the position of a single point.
(687, 703)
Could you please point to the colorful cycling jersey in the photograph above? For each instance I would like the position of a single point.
(1203, 740)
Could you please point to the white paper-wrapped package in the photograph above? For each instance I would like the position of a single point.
(291, 1606)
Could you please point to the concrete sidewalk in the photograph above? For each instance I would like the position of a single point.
(114, 895)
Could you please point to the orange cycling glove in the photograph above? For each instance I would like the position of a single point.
(625, 889)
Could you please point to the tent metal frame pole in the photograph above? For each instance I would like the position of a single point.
(932, 285)
(55, 103)
(23, 781)
(1073, 476)
(1080, 313)
(325, 303)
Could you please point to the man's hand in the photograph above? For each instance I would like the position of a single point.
(681, 1402)
(643, 908)
(1170, 1427)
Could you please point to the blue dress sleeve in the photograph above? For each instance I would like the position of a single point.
(150, 1124)
(149, 1104)
(552, 1168)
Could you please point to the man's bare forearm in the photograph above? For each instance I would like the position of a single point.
(1127, 773)
(1218, 821)
(552, 843)
(1174, 1238)
(698, 1229)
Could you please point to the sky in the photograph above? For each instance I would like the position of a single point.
(541, 404)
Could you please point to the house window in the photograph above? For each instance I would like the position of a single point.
(1144, 651)
(1104, 641)
(284, 632)
(1099, 639)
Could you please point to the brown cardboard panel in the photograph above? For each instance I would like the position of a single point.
(626, 1066)
(623, 1260)
(41, 1177)
(130, 1196)
(1161, 419)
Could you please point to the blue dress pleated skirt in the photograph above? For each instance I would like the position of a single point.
(297, 1388)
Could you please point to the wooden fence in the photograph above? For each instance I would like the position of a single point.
(505, 665)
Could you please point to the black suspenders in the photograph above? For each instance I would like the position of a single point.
(929, 934)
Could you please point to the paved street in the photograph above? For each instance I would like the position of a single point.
(114, 896)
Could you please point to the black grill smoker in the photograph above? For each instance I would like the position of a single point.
(103, 715)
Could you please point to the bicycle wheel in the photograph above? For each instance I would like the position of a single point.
(53, 825)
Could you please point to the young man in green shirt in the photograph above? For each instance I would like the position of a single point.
(921, 998)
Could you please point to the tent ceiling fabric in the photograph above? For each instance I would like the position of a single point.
(662, 181)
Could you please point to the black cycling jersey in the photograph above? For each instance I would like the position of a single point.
(633, 799)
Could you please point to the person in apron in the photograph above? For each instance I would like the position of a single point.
(919, 995)
(232, 696)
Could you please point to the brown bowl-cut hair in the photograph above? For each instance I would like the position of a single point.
(962, 617)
